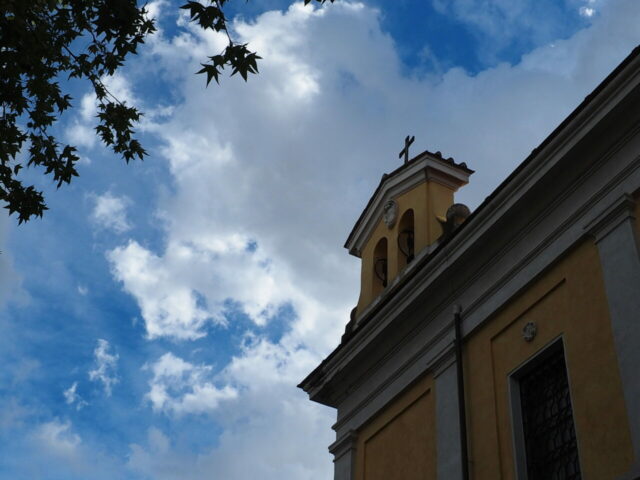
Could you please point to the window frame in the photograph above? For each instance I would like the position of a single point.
(517, 425)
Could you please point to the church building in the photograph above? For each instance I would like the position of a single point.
(502, 343)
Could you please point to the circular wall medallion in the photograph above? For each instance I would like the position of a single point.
(390, 213)
(529, 331)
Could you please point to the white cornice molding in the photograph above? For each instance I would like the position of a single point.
(615, 214)
(344, 444)
(429, 356)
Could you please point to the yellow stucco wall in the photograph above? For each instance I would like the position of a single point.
(400, 442)
(428, 201)
(568, 301)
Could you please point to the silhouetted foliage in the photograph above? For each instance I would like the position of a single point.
(43, 43)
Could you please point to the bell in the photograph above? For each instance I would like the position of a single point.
(406, 244)
(380, 269)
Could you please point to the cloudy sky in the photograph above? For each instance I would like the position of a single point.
(155, 323)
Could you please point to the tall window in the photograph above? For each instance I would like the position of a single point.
(548, 436)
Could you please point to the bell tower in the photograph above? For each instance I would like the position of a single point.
(409, 213)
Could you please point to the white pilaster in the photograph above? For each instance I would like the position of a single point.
(615, 235)
(344, 456)
(449, 457)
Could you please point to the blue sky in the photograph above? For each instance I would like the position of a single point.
(155, 322)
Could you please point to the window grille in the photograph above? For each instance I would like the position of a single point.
(547, 417)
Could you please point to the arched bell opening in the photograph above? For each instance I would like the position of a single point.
(380, 266)
(406, 239)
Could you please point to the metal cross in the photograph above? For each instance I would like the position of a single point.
(405, 151)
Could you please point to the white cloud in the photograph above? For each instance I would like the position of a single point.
(88, 107)
(106, 365)
(590, 7)
(81, 131)
(81, 135)
(156, 460)
(110, 212)
(326, 119)
(56, 450)
(587, 11)
(179, 387)
(285, 434)
(168, 307)
(119, 87)
(56, 437)
(71, 397)
(154, 9)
